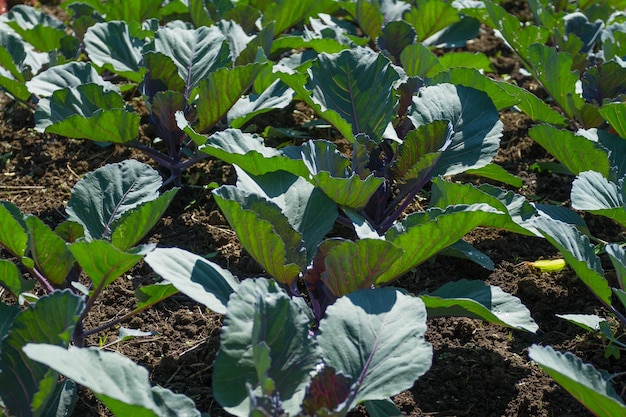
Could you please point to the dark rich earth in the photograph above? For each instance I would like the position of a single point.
(479, 369)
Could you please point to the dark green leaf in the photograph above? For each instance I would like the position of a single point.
(382, 408)
(12, 280)
(429, 17)
(102, 262)
(462, 249)
(369, 17)
(26, 386)
(276, 96)
(13, 229)
(49, 251)
(615, 114)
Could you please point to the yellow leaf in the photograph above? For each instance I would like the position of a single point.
(548, 265)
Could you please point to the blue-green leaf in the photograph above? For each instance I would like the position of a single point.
(475, 122)
(261, 313)
(122, 385)
(475, 299)
(376, 336)
(589, 386)
(201, 280)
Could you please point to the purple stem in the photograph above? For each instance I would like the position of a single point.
(43, 280)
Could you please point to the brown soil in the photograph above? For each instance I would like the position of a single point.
(479, 369)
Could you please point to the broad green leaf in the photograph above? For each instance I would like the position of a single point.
(615, 114)
(594, 193)
(262, 41)
(423, 234)
(13, 234)
(617, 254)
(202, 280)
(12, 280)
(162, 74)
(260, 312)
(49, 251)
(134, 225)
(196, 52)
(563, 214)
(220, 90)
(122, 385)
(110, 46)
(578, 252)
(357, 85)
(102, 262)
(351, 266)
(68, 75)
(588, 385)
(395, 37)
(15, 88)
(41, 30)
(475, 299)
(264, 232)
(456, 35)
(553, 70)
(87, 112)
(27, 387)
(497, 173)
(328, 169)
(137, 11)
(287, 13)
(247, 151)
(475, 122)
(476, 60)
(589, 322)
(369, 17)
(418, 61)
(503, 94)
(104, 195)
(276, 96)
(421, 150)
(514, 211)
(576, 152)
(148, 295)
(429, 17)
(236, 36)
(199, 13)
(308, 210)
(376, 337)
(519, 37)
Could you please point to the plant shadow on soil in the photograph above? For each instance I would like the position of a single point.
(479, 369)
